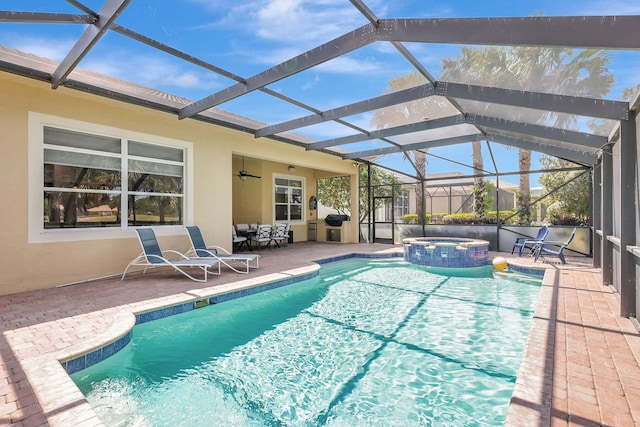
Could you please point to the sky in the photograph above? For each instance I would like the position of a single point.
(247, 37)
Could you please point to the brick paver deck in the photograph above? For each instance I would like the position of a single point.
(580, 367)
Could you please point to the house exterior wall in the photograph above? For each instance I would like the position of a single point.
(35, 261)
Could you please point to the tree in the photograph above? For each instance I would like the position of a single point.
(479, 188)
(412, 112)
(383, 184)
(630, 92)
(538, 69)
(569, 189)
(335, 193)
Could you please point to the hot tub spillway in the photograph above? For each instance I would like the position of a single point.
(446, 252)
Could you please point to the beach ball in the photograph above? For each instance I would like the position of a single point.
(499, 263)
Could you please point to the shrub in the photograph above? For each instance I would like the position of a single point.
(413, 218)
(491, 217)
(469, 218)
(566, 220)
(460, 218)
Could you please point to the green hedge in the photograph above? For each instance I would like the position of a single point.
(413, 218)
(469, 218)
(461, 218)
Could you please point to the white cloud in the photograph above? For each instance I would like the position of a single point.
(151, 71)
(56, 50)
(312, 83)
(346, 65)
(317, 22)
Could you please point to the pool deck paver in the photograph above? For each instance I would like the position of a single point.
(580, 368)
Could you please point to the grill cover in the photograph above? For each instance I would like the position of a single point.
(335, 220)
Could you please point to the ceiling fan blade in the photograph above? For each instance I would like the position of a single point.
(243, 174)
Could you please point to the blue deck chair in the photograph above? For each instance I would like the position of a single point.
(545, 247)
(200, 249)
(532, 244)
(152, 256)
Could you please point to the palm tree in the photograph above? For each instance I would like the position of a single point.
(411, 112)
(549, 70)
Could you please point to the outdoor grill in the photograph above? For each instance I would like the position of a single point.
(335, 220)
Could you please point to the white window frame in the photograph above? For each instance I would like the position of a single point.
(303, 180)
(403, 206)
(37, 232)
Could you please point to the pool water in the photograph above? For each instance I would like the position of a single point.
(366, 343)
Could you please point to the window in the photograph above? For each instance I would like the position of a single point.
(84, 185)
(401, 204)
(288, 197)
(96, 178)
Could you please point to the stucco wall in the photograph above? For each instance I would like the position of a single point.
(28, 266)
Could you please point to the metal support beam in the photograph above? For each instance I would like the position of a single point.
(417, 146)
(388, 132)
(593, 32)
(45, 18)
(323, 53)
(570, 104)
(574, 156)
(591, 107)
(394, 98)
(629, 216)
(173, 51)
(596, 215)
(607, 215)
(107, 15)
(546, 132)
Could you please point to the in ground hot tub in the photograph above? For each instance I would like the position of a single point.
(446, 251)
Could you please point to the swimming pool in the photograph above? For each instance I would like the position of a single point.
(366, 343)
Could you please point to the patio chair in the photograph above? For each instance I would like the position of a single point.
(152, 256)
(525, 242)
(200, 249)
(242, 229)
(279, 233)
(238, 241)
(262, 236)
(544, 247)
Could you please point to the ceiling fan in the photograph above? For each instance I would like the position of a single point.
(243, 174)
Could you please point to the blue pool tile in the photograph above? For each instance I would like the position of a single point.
(94, 357)
(75, 365)
(109, 350)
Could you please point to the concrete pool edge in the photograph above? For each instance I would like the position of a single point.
(531, 399)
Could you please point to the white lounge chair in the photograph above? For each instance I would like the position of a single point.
(238, 241)
(152, 256)
(200, 249)
(242, 229)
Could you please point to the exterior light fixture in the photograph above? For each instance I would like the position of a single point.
(292, 168)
